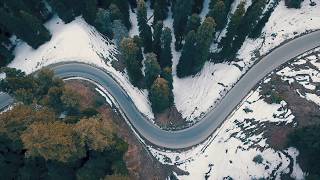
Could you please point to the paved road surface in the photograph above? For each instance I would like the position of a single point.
(203, 129)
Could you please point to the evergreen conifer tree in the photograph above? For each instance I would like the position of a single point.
(182, 9)
(144, 29)
(159, 95)
(129, 52)
(157, 32)
(152, 69)
(184, 66)
(166, 54)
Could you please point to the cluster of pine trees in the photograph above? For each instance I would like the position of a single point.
(37, 143)
(25, 18)
(153, 45)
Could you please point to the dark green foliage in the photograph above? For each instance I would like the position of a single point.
(306, 140)
(152, 69)
(25, 26)
(89, 10)
(123, 6)
(256, 32)
(145, 32)
(89, 112)
(194, 21)
(130, 52)
(159, 95)
(166, 73)
(160, 10)
(5, 56)
(15, 80)
(157, 32)
(20, 128)
(182, 9)
(236, 18)
(64, 11)
(219, 14)
(115, 13)
(166, 54)
(247, 24)
(293, 3)
(103, 23)
(258, 159)
(119, 32)
(38, 9)
(204, 39)
(197, 6)
(184, 66)
(137, 41)
(196, 49)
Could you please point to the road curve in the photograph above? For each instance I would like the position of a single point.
(206, 126)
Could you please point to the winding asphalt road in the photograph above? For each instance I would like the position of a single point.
(205, 127)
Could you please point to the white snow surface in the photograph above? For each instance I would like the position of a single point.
(77, 41)
(230, 151)
(195, 96)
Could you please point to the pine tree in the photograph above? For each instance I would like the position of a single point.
(233, 25)
(219, 14)
(129, 52)
(184, 66)
(115, 13)
(103, 23)
(167, 75)
(26, 27)
(160, 10)
(166, 54)
(144, 29)
(64, 12)
(159, 95)
(197, 6)
(89, 10)
(182, 9)
(137, 41)
(204, 39)
(123, 6)
(249, 21)
(5, 56)
(119, 31)
(194, 21)
(293, 3)
(152, 69)
(157, 32)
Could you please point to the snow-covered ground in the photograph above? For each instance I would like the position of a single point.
(239, 149)
(77, 41)
(305, 70)
(194, 96)
(231, 151)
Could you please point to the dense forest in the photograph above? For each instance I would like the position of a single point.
(47, 136)
(192, 36)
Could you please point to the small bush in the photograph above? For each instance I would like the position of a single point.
(258, 159)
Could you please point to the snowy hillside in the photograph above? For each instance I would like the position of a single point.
(240, 148)
(196, 95)
(77, 41)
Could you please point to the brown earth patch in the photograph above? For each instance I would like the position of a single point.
(303, 110)
(170, 119)
(140, 163)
